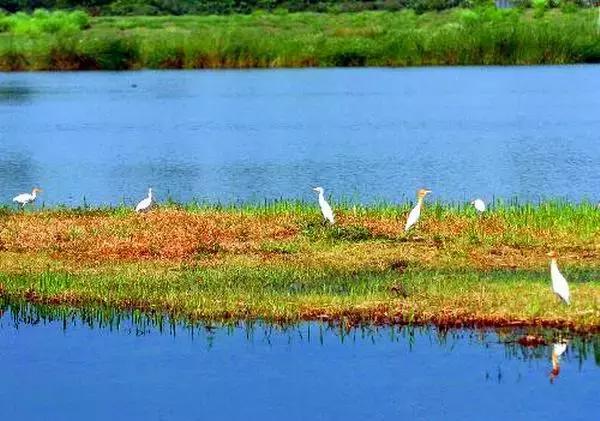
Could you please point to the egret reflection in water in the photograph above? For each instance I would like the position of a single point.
(558, 349)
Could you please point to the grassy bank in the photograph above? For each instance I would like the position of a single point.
(452, 37)
(280, 263)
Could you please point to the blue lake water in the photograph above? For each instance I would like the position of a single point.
(74, 368)
(363, 134)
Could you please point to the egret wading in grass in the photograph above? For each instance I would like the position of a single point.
(26, 198)
(559, 283)
(145, 204)
(479, 205)
(325, 208)
(415, 213)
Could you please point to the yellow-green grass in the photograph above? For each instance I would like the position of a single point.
(453, 37)
(279, 262)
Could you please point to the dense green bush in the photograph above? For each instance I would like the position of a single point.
(43, 21)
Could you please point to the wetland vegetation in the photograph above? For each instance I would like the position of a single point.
(477, 36)
(278, 262)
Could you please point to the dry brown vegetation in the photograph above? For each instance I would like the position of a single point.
(167, 235)
(213, 237)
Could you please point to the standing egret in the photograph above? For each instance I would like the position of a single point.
(26, 198)
(325, 208)
(479, 205)
(559, 283)
(145, 204)
(415, 213)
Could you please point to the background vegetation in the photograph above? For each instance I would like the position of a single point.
(218, 7)
(478, 36)
(221, 7)
(196, 7)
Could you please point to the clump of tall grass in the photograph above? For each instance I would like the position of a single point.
(44, 22)
(12, 59)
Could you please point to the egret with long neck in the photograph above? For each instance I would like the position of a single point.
(415, 213)
(26, 198)
(559, 283)
(145, 204)
(325, 208)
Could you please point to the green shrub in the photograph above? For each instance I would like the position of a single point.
(568, 7)
(111, 51)
(42, 21)
(11, 59)
(539, 7)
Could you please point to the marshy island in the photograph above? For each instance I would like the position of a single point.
(281, 263)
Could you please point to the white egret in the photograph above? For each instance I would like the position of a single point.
(26, 198)
(559, 283)
(325, 208)
(415, 213)
(145, 204)
(479, 205)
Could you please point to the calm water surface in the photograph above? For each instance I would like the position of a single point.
(76, 370)
(364, 134)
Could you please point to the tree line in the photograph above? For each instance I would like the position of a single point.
(224, 7)
(220, 7)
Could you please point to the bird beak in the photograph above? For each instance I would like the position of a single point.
(315, 189)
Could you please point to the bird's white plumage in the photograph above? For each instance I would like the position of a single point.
(415, 213)
(325, 208)
(26, 198)
(413, 216)
(559, 283)
(558, 349)
(479, 205)
(145, 204)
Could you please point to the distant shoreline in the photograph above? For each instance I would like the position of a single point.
(366, 39)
